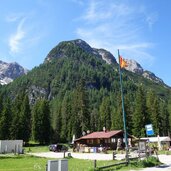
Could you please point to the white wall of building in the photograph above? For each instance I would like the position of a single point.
(11, 146)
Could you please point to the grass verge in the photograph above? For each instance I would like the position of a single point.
(31, 163)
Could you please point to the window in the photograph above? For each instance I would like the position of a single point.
(90, 141)
(113, 140)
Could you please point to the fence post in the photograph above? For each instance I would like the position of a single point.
(95, 164)
(114, 155)
(64, 153)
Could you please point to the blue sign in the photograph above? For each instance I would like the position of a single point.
(149, 129)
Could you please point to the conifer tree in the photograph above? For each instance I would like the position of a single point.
(56, 120)
(169, 117)
(129, 112)
(65, 116)
(5, 120)
(117, 116)
(21, 118)
(76, 130)
(41, 129)
(164, 120)
(140, 118)
(25, 119)
(82, 102)
(105, 113)
(153, 108)
(94, 120)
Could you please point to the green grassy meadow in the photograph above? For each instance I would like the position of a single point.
(22, 163)
(25, 162)
(31, 163)
(36, 149)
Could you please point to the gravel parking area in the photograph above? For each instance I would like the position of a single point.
(89, 156)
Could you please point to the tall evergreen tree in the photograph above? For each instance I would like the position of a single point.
(25, 119)
(1, 103)
(140, 117)
(94, 117)
(105, 113)
(5, 120)
(21, 118)
(164, 120)
(56, 120)
(41, 122)
(65, 116)
(129, 112)
(83, 106)
(117, 116)
(169, 112)
(76, 130)
(154, 111)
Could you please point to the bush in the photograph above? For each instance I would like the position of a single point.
(149, 162)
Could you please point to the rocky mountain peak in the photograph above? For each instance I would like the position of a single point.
(135, 67)
(82, 44)
(100, 53)
(10, 71)
(151, 76)
(61, 50)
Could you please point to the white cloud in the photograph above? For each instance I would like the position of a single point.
(117, 25)
(151, 19)
(16, 38)
(100, 10)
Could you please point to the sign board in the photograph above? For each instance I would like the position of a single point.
(149, 129)
(142, 146)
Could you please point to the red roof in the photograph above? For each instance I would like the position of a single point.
(102, 134)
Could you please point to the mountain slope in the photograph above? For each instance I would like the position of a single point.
(70, 61)
(10, 71)
(83, 91)
(135, 67)
(61, 51)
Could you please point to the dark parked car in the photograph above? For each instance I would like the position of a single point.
(58, 147)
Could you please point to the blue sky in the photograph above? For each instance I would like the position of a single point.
(140, 29)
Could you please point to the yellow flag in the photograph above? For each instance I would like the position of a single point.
(123, 62)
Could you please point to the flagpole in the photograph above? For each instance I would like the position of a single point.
(123, 111)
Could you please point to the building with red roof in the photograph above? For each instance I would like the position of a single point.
(105, 139)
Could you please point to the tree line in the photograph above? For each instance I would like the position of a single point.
(78, 92)
(80, 110)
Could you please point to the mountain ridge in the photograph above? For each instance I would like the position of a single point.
(135, 67)
(10, 71)
(101, 53)
(107, 56)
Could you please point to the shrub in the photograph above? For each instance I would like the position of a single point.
(149, 162)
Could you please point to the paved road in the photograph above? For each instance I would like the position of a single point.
(166, 159)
